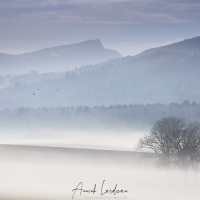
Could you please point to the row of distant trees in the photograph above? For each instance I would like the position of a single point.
(129, 116)
(175, 142)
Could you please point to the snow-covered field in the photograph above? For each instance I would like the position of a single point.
(33, 172)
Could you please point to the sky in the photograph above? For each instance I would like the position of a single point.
(128, 26)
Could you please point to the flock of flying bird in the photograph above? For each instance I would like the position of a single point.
(35, 94)
(39, 89)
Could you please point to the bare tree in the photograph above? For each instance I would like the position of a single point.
(191, 145)
(175, 142)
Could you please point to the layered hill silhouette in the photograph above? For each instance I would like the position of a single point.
(161, 75)
(60, 58)
(188, 46)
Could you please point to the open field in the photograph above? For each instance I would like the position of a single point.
(32, 172)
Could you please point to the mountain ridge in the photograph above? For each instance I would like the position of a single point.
(58, 58)
(158, 77)
(190, 46)
(91, 41)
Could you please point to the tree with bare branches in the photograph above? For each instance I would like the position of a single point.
(175, 142)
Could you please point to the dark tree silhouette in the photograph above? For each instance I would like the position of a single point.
(175, 142)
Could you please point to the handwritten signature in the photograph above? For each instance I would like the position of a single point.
(114, 191)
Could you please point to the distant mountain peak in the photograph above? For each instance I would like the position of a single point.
(96, 41)
(91, 42)
(58, 58)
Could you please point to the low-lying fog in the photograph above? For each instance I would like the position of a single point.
(118, 140)
(35, 172)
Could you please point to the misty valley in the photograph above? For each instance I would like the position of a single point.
(81, 121)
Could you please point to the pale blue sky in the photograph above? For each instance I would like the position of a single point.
(129, 26)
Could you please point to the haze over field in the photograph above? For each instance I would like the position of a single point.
(81, 82)
(52, 173)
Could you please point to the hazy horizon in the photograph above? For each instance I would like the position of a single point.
(126, 52)
(79, 113)
(129, 26)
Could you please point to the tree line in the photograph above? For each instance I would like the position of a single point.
(124, 116)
